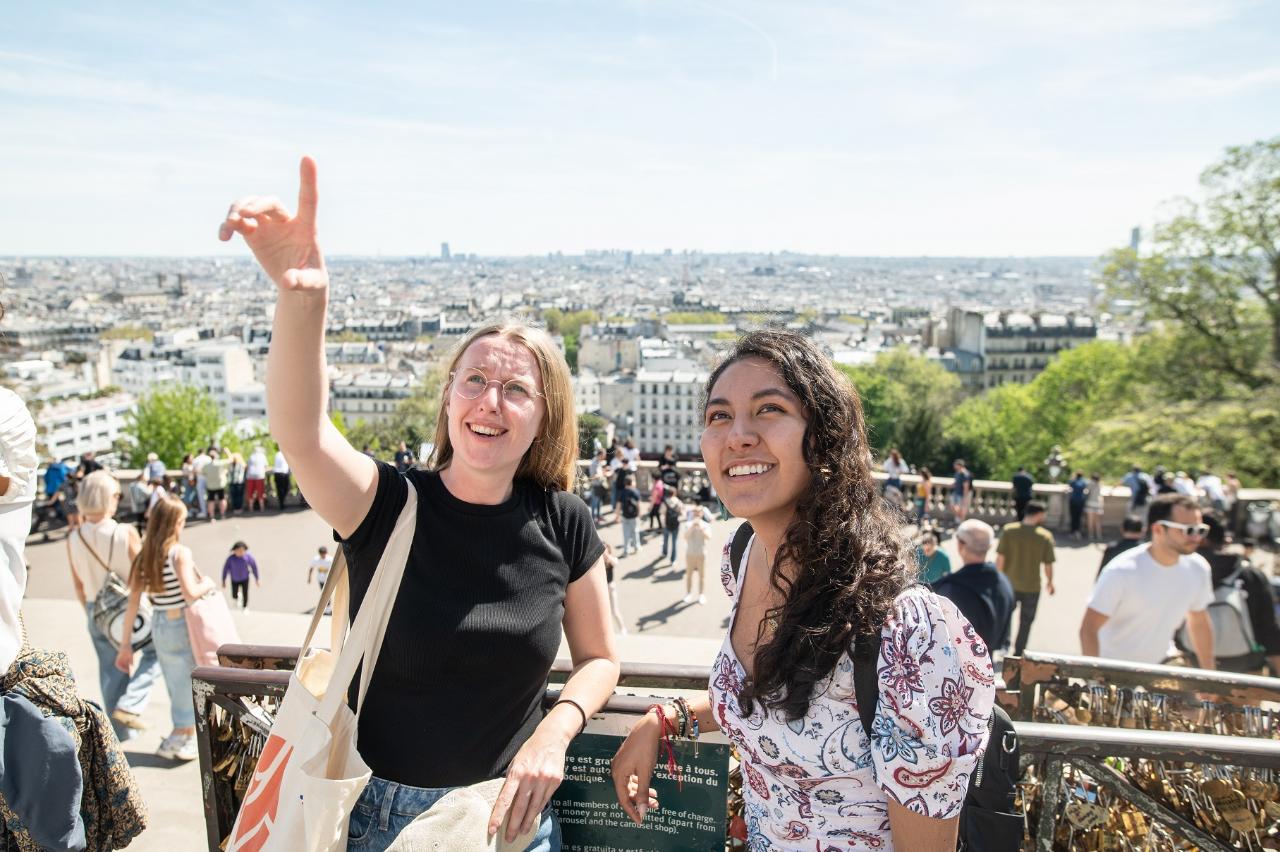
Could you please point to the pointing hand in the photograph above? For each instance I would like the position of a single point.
(285, 245)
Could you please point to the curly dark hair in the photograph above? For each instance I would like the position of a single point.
(851, 558)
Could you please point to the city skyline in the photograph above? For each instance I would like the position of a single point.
(983, 129)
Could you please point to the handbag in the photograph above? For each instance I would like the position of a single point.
(309, 774)
(111, 604)
(209, 626)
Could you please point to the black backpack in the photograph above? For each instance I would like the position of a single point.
(1142, 492)
(630, 505)
(989, 821)
(672, 517)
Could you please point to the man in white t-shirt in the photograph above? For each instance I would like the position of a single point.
(1146, 592)
(198, 464)
(320, 568)
(255, 480)
(1210, 484)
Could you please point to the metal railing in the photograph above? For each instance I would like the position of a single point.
(251, 674)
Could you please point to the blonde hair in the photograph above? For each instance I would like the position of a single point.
(549, 461)
(162, 534)
(96, 493)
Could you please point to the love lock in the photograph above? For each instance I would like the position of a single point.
(1085, 816)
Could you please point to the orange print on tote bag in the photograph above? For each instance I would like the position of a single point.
(310, 774)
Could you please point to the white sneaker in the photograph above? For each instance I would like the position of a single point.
(687, 598)
(178, 747)
(702, 599)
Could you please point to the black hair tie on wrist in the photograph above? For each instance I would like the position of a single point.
(577, 707)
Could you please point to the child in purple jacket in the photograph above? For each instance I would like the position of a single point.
(237, 567)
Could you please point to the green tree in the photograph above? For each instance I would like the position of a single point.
(988, 432)
(1239, 435)
(905, 401)
(128, 332)
(414, 421)
(172, 421)
(693, 318)
(552, 318)
(590, 427)
(1215, 267)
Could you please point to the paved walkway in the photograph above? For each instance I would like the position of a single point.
(662, 629)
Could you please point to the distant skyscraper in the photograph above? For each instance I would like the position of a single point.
(1135, 237)
(444, 251)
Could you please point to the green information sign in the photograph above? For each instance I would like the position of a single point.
(688, 819)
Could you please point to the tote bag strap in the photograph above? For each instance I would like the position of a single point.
(364, 640)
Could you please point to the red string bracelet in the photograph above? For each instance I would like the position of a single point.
(664, 741)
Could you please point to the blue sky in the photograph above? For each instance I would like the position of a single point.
(992, 127)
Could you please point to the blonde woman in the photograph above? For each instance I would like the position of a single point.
(98, 546)
(166, 573)
(504, 553)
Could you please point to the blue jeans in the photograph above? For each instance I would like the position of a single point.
(673, 536)
(119, 690)
(385, 808)
(594, 501)
(173, 649)
(630, 539)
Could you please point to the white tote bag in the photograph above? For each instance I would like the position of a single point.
(309, 774)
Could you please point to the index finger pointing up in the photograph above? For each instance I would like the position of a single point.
(307, 194)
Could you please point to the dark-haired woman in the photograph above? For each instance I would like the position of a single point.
(785, 445)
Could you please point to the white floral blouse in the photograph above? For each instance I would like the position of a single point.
(817, 783)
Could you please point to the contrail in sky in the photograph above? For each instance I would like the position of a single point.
(751, 25)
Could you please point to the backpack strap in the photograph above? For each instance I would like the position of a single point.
(866, 683)
(739, 546)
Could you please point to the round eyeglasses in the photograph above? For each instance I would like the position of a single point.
(471, 382)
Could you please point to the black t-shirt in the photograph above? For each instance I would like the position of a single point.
(1022, 485)
(630, 503)
(474, 629)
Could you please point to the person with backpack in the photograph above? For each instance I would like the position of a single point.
(979, 590)
(629, 502)
(672, 515)
(100, 553)
(1140, 486)
(1144, 593)
(859, 702)
(1246, 635)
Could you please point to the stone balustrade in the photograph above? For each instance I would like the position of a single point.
(992, 500)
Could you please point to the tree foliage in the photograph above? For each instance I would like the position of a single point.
(1215, 266)
(414, 420)
(171, 421)
(590, 428)
(905, 400)
(693, 318)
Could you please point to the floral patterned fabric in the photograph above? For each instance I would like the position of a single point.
(817, 783)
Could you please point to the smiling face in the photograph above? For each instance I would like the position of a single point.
(491, 433)
(753, 441)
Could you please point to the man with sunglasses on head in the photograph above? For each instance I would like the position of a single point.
(1146, 592)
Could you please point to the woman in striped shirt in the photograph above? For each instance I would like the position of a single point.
(166, 573)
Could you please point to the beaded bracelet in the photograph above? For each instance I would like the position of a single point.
(666, 732)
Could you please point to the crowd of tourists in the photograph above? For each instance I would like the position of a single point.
(855, 676)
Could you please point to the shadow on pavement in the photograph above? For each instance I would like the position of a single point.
(143, 759)
(663, 615)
